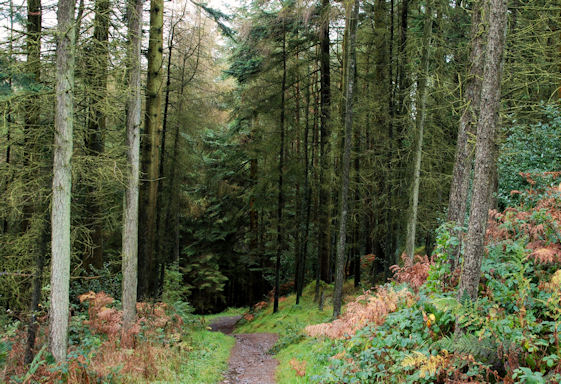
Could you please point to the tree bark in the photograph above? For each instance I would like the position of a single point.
(98, 62)
(306, 203)
(457, 202)
(325, 117)
(40, 253)
(484, 159)
(280, 205)
(130, 219)
(62, 181)
(33, 65)
(420, 127)
(150, 152)
(352, 21)
(164, 203)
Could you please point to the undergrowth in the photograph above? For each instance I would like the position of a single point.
(509, 335)
(414, 330)
(170, 346)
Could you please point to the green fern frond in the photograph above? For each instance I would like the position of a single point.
(469, 344)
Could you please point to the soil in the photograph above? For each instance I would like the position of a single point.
(249, 361)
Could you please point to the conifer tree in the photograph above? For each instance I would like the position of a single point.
(457, 202)
(130, 216)
(62, 181)
(420, 118)
(151, 153)
(484, 159)
(352, 24)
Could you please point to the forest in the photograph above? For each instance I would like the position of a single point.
(347, 191)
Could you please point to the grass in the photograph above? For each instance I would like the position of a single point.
(291, 316)
(227, 312)
(310, 351)
(202, 360)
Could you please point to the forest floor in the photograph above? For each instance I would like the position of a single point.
(249, 361)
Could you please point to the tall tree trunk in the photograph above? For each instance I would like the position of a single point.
(62, 181)
(464, 154)
(32, 122)
(164, 203)
(280, 205)
(98, 62)
(130, 217)
(420, 127)
(484, 159)
(306, 203)
(325, 120)
(172, 214)
(40, 255)
(8, 112)
(358, 210)
(148, 274)
(352, 20)
(300, 193)
(254, 276)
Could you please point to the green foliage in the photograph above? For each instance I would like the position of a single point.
(107, 279)
(175, 290)
(204, 279)
(290, 336)
(516, 319)
(529, 148)
(526, 376)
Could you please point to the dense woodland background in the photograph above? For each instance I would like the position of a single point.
(282, 143)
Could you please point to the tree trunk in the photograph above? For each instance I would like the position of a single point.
(484, 160)
(420, 127)
(40, 254)
(325, 117)
(32, 122)
(306, 203)
(254, 275)
(457, 202)
(344, 203)
(358, 210)
(130, 217)
(62, 181)
(164, 203)
(98, 61)
(281, 171)
(150, 153)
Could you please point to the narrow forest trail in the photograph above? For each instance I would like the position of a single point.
(249, 361)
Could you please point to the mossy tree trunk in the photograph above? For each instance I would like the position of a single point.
(280, 203)
(420, 119)
(457, 203)
(484, 160)
(98, 61)
(62, 181)
(325, 132)
(352, 23)
(130, 217)
(148, 273)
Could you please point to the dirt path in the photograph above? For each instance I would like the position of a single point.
(249, 361)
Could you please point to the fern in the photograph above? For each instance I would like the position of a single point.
(469, 344)
(370, 308)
